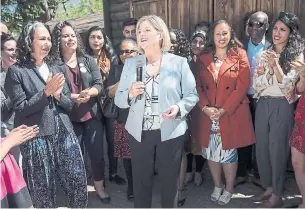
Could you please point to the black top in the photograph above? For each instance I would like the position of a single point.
(113, 78)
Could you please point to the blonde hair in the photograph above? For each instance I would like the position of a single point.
(159, 26)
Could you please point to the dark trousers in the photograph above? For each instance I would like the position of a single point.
(274, 123)
(109, 134)
(246, 155)
(91, 134)
(168, 160)
(199, 162)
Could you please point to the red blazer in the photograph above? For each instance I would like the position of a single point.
(230, 93)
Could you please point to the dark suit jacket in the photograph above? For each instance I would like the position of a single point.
(91, 77)
(25, 87)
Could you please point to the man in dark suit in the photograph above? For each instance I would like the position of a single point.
(255, 44)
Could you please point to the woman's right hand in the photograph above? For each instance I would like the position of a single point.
(54, 83)
(136, 89)
(210, 111)
(21, 134)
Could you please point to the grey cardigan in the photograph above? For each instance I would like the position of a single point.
(177, 87)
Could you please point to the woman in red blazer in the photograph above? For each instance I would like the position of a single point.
(224, 122)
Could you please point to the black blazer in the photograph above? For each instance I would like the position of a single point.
(91, 77)
(25, 87)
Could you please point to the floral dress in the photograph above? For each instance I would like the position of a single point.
(215, 152)
(297, 139)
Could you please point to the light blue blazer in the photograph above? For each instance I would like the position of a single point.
(177, 86)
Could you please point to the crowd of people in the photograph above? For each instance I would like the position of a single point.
(160, 100)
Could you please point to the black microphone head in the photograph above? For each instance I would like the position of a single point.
(139, 70)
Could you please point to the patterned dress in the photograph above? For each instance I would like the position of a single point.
(297, 139)
(215, 152)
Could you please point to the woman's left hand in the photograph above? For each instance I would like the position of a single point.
(171, 112)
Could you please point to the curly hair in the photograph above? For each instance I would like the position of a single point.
(295, 45)
(110, 54)
(25, 43)
(184, 48)
(234, 43)
(56, 51)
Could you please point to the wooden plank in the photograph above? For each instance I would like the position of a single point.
(302, 17)
(200, 10)
(265, 6)
(119, 16)
(234, 12)
(278, 6)
(117, 7)
(293, 6)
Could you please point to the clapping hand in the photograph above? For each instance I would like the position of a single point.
(21, 134)
(300, 67)
(270, 58)
(54, 84)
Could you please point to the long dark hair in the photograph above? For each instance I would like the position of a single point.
(56, 52)
(184, 48)
(295, 45)
(234, 43)
(110, 54)
(25, 43)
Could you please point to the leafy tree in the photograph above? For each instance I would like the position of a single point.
(83, 8)
(18, 12)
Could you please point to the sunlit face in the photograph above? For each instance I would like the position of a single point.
(280, 33)
(148, 37)
(222, 35)
(68, 40)
(96, 41)
(129, 31)
(174, 44)
(8, 53)
(41, 43)
(197, 45)
(128, 49)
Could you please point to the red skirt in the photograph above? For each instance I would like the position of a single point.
(121, 141)
(297, 139)
(14, 192)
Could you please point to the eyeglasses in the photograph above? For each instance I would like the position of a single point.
(127, 51)
(256, 24)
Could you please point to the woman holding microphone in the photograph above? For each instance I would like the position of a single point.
(158, 106)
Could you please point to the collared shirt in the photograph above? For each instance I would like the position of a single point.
(254, 53)
(272, 87)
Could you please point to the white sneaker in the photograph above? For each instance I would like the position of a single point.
(189, 177)
(198, 178)
(225, 198)
(216, 194)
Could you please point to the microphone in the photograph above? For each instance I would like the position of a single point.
(139, 74)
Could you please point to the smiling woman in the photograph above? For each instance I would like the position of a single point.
(157, 120)
(85, 83)
(37, 88)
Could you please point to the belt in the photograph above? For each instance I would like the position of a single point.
(274, 97)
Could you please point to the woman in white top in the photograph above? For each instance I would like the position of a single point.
(275, 83)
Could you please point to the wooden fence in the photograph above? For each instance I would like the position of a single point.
(185, 14)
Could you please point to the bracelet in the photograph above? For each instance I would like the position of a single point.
(270, 73)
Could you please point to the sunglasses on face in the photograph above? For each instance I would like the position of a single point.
(127, 51)
(256, 24)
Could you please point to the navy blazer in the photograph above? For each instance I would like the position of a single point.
(91, 77)
(25, 87)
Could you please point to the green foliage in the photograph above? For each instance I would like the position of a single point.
(19, 12)
(83, 8)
